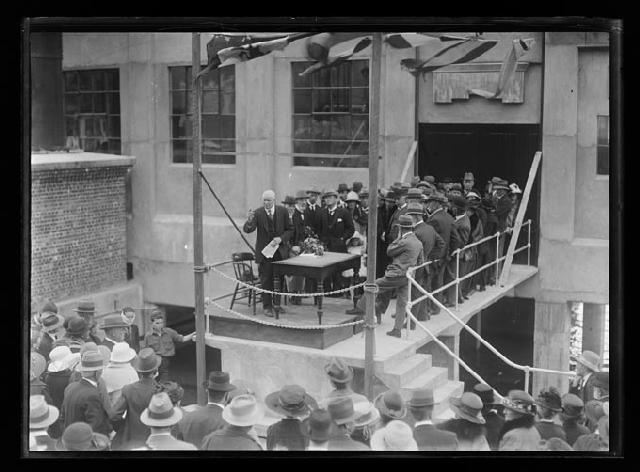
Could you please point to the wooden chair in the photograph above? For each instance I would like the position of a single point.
(243, 263)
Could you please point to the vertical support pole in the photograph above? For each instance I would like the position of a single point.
(497, 257)
(529, 244)
(198, 252)
(374, 127)
(457, 278)
(526, 379)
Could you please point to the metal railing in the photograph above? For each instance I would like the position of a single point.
(431, 296)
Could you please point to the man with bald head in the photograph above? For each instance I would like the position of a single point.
(274, 227)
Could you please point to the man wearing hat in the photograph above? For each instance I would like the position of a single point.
(395, 436)
(456, 190)
(37, 367)
(500, 191)
(477, 219)
(357, 186)
(87, 310)
(366, 422)
(393, 229)
(601, 386)
(301, 229)
(41, 416)
(587, 364)
(241, 414)
(336, 227)
(318, 428)
(549, 405)
(343, 416)
(391, 406)
(82, 399)
(205, 419)
(340, 375)
(468, 423)
(493, 419)
(312, 211)
(343, 191)
(293, 404)
(572, 415)
(119, 372)
(429, 178)
(135, 397)
(62, 360)
(386, 207)
(76, 333)
(363, 216)
(80, 437)
(51, 325)
(160, 416)
(115, 330)
(519, 432)
(427, 436)
(274, 228)
(406, 251)
(132, 336)
(462, 225)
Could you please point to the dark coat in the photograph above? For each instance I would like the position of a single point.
(343, 442)
(432, 243)
(503, 207)
(282, 228)
(548, 430)
(38, 387)
(299, 224)
(312, 217)
(135, 397)
(56, 383)
(493, 426)
(429, 438)
(442, 222)
(45, 346)
(82, 402)
(132, 337)
(573, 431)
(287, 433)
(108, 343)
(584, 392)
(230, 438)
(196, 424)
(336, 229)
(393, 229)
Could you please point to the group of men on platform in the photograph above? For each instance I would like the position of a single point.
(418, 222)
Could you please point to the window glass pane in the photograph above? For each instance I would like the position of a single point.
(113, 103)
(102, 146)
(70, 81)
(179, 151)
(89, 145)
(181, 126)
(98, 80)
(211, 145)
(302, 126)
(112, 80)
(302, 101)
(86, 103)
(86, 126)
(359, 147)
(100, 127)
(322, 147)
(114, 126)
(178, 78)
(228, 103)
(211, 80)
(341, 127)
(321, 101)
(114, 146)
(359, 73)
(339, 147)
(71, 103)
(340, 100)
(340, 75)
(228, 126)
(603, 160)
(321, 127)
(99, 103)
(360, 100)
(228, 145)
(296, 69)
(178, 103)
(71, 126)
(322, 78)
(603, 130)
(359, 127)
(218, 159)
(227, 79)
(210, 102)
(211, 126)
(305, 147)
(84, 80)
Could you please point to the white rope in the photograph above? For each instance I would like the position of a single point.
(280, 325)
(262, 290)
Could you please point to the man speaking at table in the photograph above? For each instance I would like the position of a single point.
(274, 232)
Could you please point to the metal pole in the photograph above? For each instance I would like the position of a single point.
(529, 244)
(198, 253)
(374, 126)
(497, 257)
(526, 379)
(457, 277)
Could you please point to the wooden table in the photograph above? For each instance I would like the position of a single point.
(315, 267)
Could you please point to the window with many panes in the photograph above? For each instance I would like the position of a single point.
(92, 110)
(603, 145)
(218, 110)
(331, 115)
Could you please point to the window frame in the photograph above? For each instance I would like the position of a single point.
(600, 145)
(188, 140)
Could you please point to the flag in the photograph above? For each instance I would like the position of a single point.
(508, 68)
(340, 53)
(455, 53)
(414, 40)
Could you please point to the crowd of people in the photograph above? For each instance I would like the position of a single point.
(109, 396)
(420, 221)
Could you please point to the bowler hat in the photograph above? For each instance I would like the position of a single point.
(80, 437)
(395, 436)
(468, 176)
(550, 399)
(341, 410)
(147, 360)
(76, 326)
(301, 195)
(343, 188)
(318, 426)
(338, 371)
(219, 382)
(51, 322)
(405, 221)
(391, 404)
(437, 197)
(414, 193)
(414, 209)
(520, 402)
(486, 394)
(91, 361)
(41, 414)
(468, 407)
(572, 406)
(290, 400)
(366, 414)
(113, 321)
(49, 307)
(289, 200)
(85, 306)
(37, 366)
(589, 359)
(357, 186)
(430, 178)
(243, 410)
(422, 398)
(160, 413)
(122, 353)
(353, 197)
(330, 193)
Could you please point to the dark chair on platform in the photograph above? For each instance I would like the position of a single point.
(243, 263)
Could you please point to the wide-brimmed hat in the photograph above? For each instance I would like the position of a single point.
(290, 400)
(395, 436)
(80, 437)
(300, 195)
(76, 325)
(390, 196)
(37, 366)
(422, 183)
(414, 193)
(572, 406)
(437, 197)
(343, 188)
(414, 209)
(589, 359)
(352, 197)
(243, 410)
(550, 398)
(318, 426)
(85, 306)
(41, 414)
(122, 353)
(486, 394)
(330, 193)
(366, 414)
(341, 410)
(422, 398)
(391, 404)
(405, 221)
(219, 382)
(51, 322)
(171, 388)
(338, 371)
(113, 321)
(520, 402)
(147, 360)
(468, 407)
(92, 361)
(61, 358)
(160, 413)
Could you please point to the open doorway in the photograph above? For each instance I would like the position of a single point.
(487, 150)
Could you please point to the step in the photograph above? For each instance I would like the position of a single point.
(406, 371)
(432, 378)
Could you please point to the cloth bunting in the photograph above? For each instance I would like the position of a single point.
(414, 40)
(508, 68)
(338, 53)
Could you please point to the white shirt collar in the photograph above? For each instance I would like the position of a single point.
(109, 339)
(425, 422)
(219, 404)
(403, 205)
(585, 378)
(95, 384)
(460, 216)
(406, 234)
(437, 211)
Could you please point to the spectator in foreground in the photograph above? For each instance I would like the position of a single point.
(37, 368)
(340, 375)
(119, 372)
(590, 442)
(318, 428)
(428, 437)
(554, 444)
(587, 364)
(395, 436)
(366, 422)
(391, 406)
(572, 414)
(41, 416)
(80, 437)
(241, 415)
(176, 393)
(343, 415)
(519, 432)
(59, 372)
(492, 417)
(160, 416)
(549, 405)
(292, 403)
(468, 424)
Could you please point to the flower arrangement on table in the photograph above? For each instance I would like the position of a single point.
(311, 244)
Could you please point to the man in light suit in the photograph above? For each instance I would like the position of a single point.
(275, 228)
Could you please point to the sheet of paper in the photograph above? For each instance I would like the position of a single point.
(269, 250)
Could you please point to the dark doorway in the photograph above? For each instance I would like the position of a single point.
(508, 326)
(487, 150)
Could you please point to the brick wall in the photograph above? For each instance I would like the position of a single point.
(78, 231)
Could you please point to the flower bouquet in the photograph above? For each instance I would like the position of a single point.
(311, 244)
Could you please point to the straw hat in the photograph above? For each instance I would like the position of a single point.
(61, 358)
(41, 414)
(51, 322)
(352, 197)
(366, 414)
(219, 382)
(290, 400)
(468, 407)
(589, 359)
(520, 402)
(91, 361)
(160, 413)
(341, 410)
(242, 411)
(395, 436)
(122, 353)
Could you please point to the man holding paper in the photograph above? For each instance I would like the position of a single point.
(272, 241)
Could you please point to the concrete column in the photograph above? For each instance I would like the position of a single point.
(551, 345)
(593, 317)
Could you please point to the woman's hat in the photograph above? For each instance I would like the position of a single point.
(38, 365)
(80, 437)
(366, 414)
(147, 360)
(352, 197)
(468, 407)
(49, 307)
(113, 321)
(520, 402)
(160, 413)
(219, 382)
(61, 358)
(391, 405)
(51, 322)
(85, 306)
(290, 400)
(243, 410)
(338, 371)
(486, 394)
(550, 399)
(122, 353)
(173, 389)
(41, 414)
(76, 326)
(589, 359)
(318, 426)
(91, 361)
(422, 398)
(341, 410)
(395, 436)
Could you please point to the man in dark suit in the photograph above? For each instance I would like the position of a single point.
(401, 209)
(312, 211)
(336, 227)
(500, 189)
(428, 437)
(494, 421)
(583, 384)
(300, 229)
(115, 330)
(240, 415)
(52, 327)
(82, 399)
(274, 228)
(462, 225)
(204, 420)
